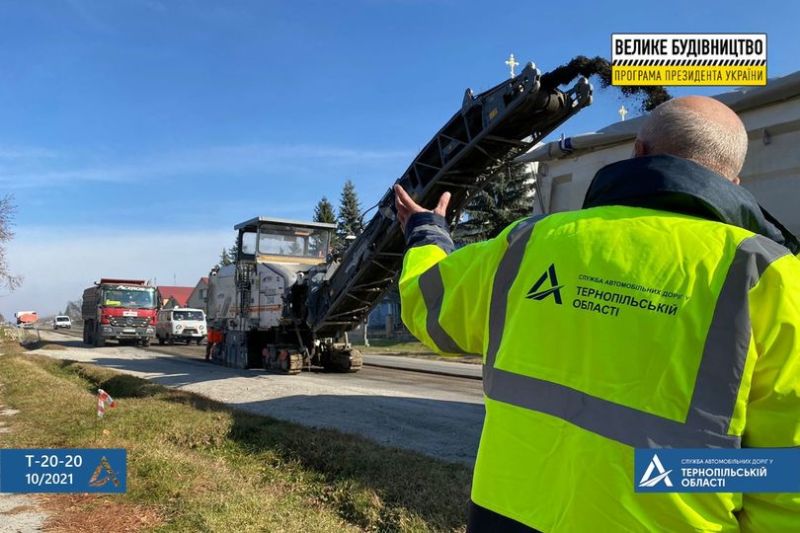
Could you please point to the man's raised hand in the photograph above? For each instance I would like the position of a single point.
(406, 206)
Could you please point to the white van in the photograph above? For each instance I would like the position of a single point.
(62, 321)
(181, 324)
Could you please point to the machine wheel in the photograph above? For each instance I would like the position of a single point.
(188, 342)
(199, 341)
(85, 336)
(170, 340)
(282, 360)
(160, 340)
(146, 343)
(341, 359)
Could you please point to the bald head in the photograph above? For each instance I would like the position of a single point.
(698, 128)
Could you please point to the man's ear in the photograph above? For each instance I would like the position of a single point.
(736, 180)
(639, 148)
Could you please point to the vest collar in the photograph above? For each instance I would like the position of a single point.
(669, 183)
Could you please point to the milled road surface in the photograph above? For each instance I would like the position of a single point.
(440, 416)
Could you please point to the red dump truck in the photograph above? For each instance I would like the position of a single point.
(120, 309)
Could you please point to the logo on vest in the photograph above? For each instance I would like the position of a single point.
(554, 290)
(651, 480)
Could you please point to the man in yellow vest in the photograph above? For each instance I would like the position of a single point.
(664, 314)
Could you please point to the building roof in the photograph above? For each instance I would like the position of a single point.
(179, 294)
(740, 100)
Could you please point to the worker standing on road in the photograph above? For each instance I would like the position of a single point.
(664, 314)
(213, 340)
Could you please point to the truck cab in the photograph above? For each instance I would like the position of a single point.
(119, 309)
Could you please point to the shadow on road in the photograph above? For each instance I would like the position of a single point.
(167, 371)
(174, 371)
(63, 342)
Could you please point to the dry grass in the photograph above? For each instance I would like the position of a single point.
(196, 465)
(82, 513)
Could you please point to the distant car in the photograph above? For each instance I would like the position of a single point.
(62, 321)
(181, 324)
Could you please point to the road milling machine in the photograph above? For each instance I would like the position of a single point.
(287, 302)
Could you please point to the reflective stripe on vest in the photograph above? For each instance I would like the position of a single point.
(432, 288)
(718, 378)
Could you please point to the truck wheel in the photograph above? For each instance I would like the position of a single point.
(188, 342)
(170, 340)
(199, 341)
(98, 339)
(146, 343)
(160, 340)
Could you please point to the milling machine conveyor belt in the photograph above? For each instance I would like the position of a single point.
(487, 132)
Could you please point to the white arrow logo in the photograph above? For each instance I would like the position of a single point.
(663, 474)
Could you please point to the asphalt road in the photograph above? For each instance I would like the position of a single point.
(435, 414)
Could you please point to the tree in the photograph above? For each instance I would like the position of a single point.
(323, 212)
(7, 211)
(507, 197)
(233, 251)
(349, 221)
(224, 258)
(73, 310)
(228, 255)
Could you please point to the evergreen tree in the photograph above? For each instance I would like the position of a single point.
(507, 197)
(323, 212)
(233, 251)
(349, 221)
(224, 258)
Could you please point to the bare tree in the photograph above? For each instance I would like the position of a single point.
(7, 211)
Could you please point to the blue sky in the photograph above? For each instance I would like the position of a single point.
(160, 124)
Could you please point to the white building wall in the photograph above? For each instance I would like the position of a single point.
(771, 171)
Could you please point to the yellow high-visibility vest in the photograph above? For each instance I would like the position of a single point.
(609, 329)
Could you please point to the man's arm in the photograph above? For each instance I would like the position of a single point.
(444, 293)
(773, 409)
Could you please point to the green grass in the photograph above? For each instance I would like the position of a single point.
(197, 465)
(394, 346)
(412, 349)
